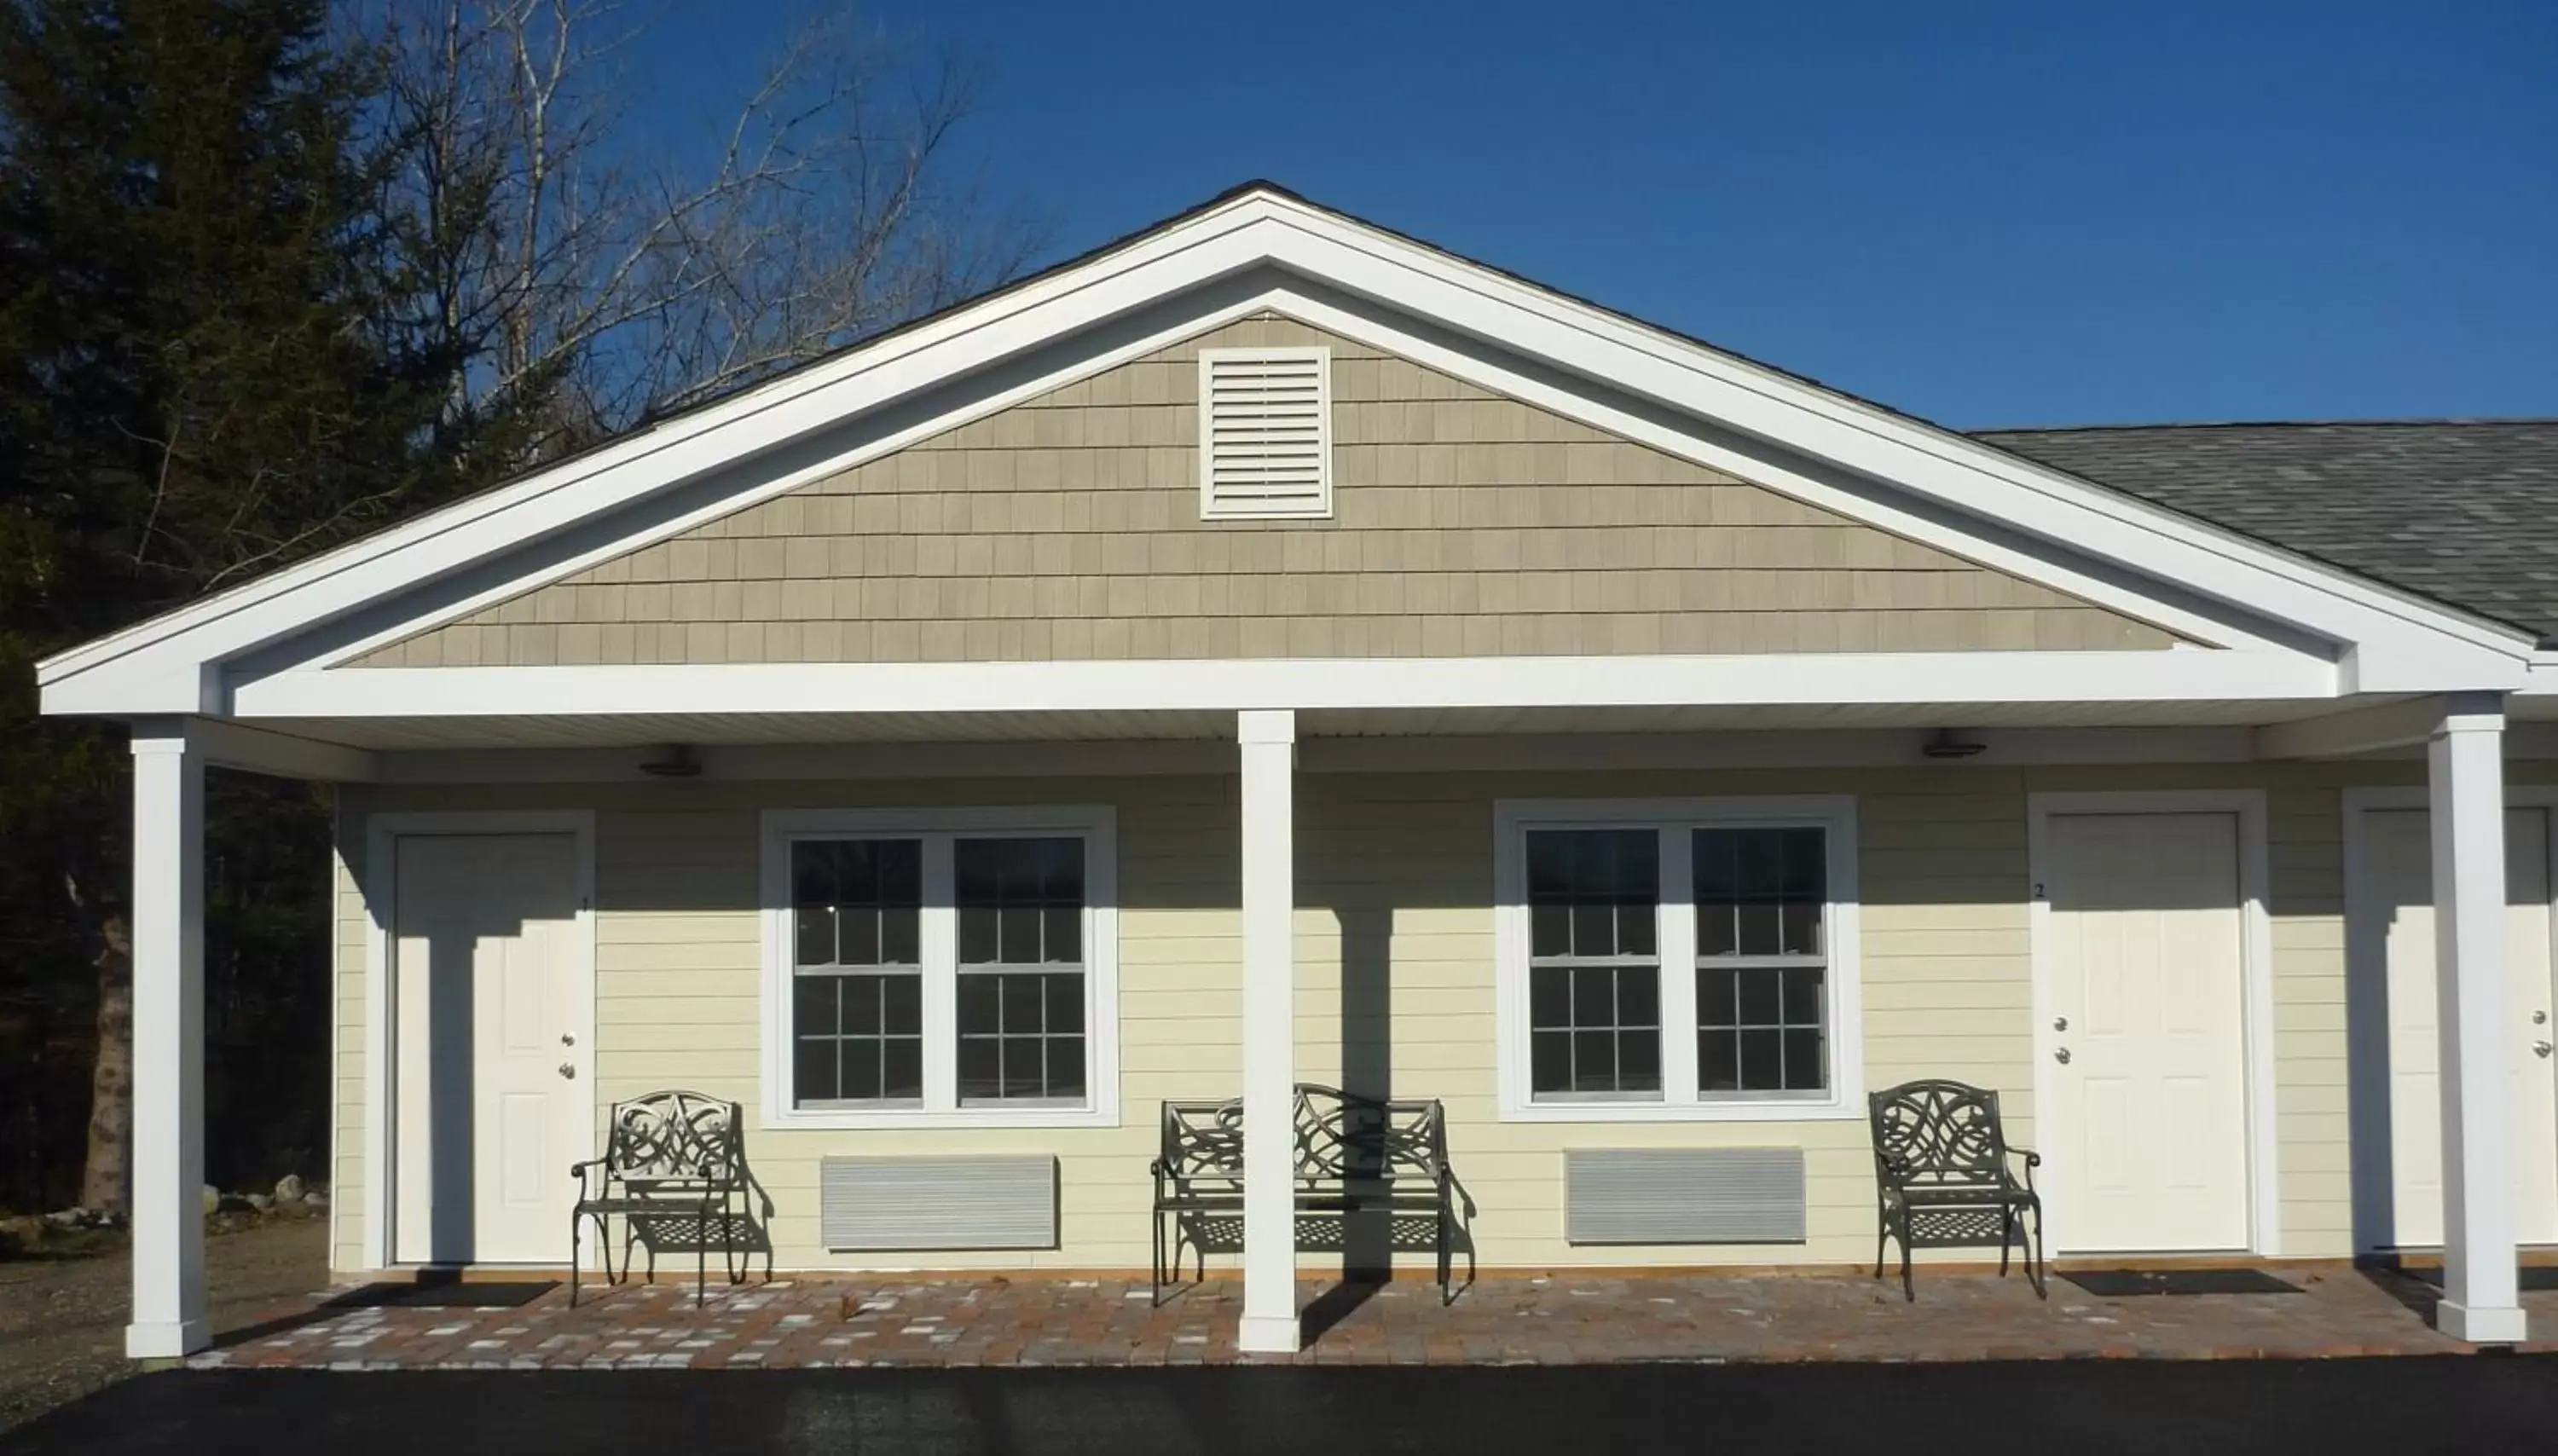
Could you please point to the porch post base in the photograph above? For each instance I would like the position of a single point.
(1267, 1334)
(2487, 1325)
(165, 1339)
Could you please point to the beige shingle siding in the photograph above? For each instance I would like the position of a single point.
(1465, 524)
(1394, 875)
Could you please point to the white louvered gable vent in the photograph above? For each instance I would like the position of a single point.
(1265, 433)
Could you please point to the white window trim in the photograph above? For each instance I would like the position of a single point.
(1211, 508)
(1680, 1100)
(1096, 824)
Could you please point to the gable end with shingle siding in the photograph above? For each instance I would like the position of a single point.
(1467, 524)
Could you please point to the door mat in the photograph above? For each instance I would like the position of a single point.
(451, 1294)
(2121, 1283)
(2534, 1278)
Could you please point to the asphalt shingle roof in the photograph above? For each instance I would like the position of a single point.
(2465, 512)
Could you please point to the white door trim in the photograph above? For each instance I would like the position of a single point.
(2366, 965)
(382, 881)
(2256, 951)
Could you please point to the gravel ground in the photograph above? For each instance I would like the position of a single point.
(61, 1320)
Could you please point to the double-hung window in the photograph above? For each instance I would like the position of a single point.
(1678, 959)
(941, 967)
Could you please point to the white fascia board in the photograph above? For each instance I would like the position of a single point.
(2396, 644)
(1306, 685)
(394, 559)
(1770, 468)
(1767, 468)
(2404, 644)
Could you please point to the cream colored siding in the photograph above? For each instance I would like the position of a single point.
(2304, 831)
(1404, 869)
(349, 1189)
(1395, 989)
(678, 982)
(1465, 524)
(2306, 850)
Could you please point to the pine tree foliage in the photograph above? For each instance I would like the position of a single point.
(205, 371)
(275, 273)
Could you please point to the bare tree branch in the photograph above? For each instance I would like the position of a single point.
(581, 277)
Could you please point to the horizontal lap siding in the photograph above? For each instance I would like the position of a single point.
(678, 986)
(1177, 1030)
(1396, 874)
(349, 1190)
(2305, 863)
(1396, 979)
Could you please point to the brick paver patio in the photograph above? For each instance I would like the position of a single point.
(1559, 1320)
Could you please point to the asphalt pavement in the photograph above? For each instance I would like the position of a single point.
(2471, 1405)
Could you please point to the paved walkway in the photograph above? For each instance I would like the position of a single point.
(1510, 1320)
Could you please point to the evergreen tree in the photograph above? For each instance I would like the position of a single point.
(207, 371)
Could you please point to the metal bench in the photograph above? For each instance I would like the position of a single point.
(1942, 1176)
(674, 1169)
(1353, 1155)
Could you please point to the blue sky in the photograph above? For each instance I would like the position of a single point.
(1985, 213)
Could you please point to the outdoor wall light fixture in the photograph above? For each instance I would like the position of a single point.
(1943, 744)
(679, 762)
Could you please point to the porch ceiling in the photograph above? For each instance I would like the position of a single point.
(708, 728)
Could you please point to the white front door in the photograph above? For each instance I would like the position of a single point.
(2396, 903)
(492, 1107)
(2146, 992)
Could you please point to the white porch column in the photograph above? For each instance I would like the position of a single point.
(168, 1152)
(2465, 775)
(1269, 743)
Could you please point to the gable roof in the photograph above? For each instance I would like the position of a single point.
(2463, 511)
(1262, 247)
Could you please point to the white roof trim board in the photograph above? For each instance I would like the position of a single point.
(1344, 275)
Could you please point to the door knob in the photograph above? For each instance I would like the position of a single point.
(2540, 1048)
(568, 1038)
(2061, 1056)
(568, 1070)
(2060, 1023)
(2541, 1018)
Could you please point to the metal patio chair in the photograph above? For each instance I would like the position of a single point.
(1944, 1180)
(1354, 1155)
(674, 1169)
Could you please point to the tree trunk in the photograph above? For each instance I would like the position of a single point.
(104, 1177)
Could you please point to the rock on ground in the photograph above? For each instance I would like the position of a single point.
(61, 1320)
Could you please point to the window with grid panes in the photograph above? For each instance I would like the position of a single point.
(1761, 897)
(857, 984)
(1678, 959)
(975, 942)
(1021, 968)
(1594, 962)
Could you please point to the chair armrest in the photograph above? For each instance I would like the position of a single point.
(2033, 1161)
(1449, 1183)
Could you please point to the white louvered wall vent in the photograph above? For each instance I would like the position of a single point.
(922, 1203)
(1683, 1195)
(1265, 433)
